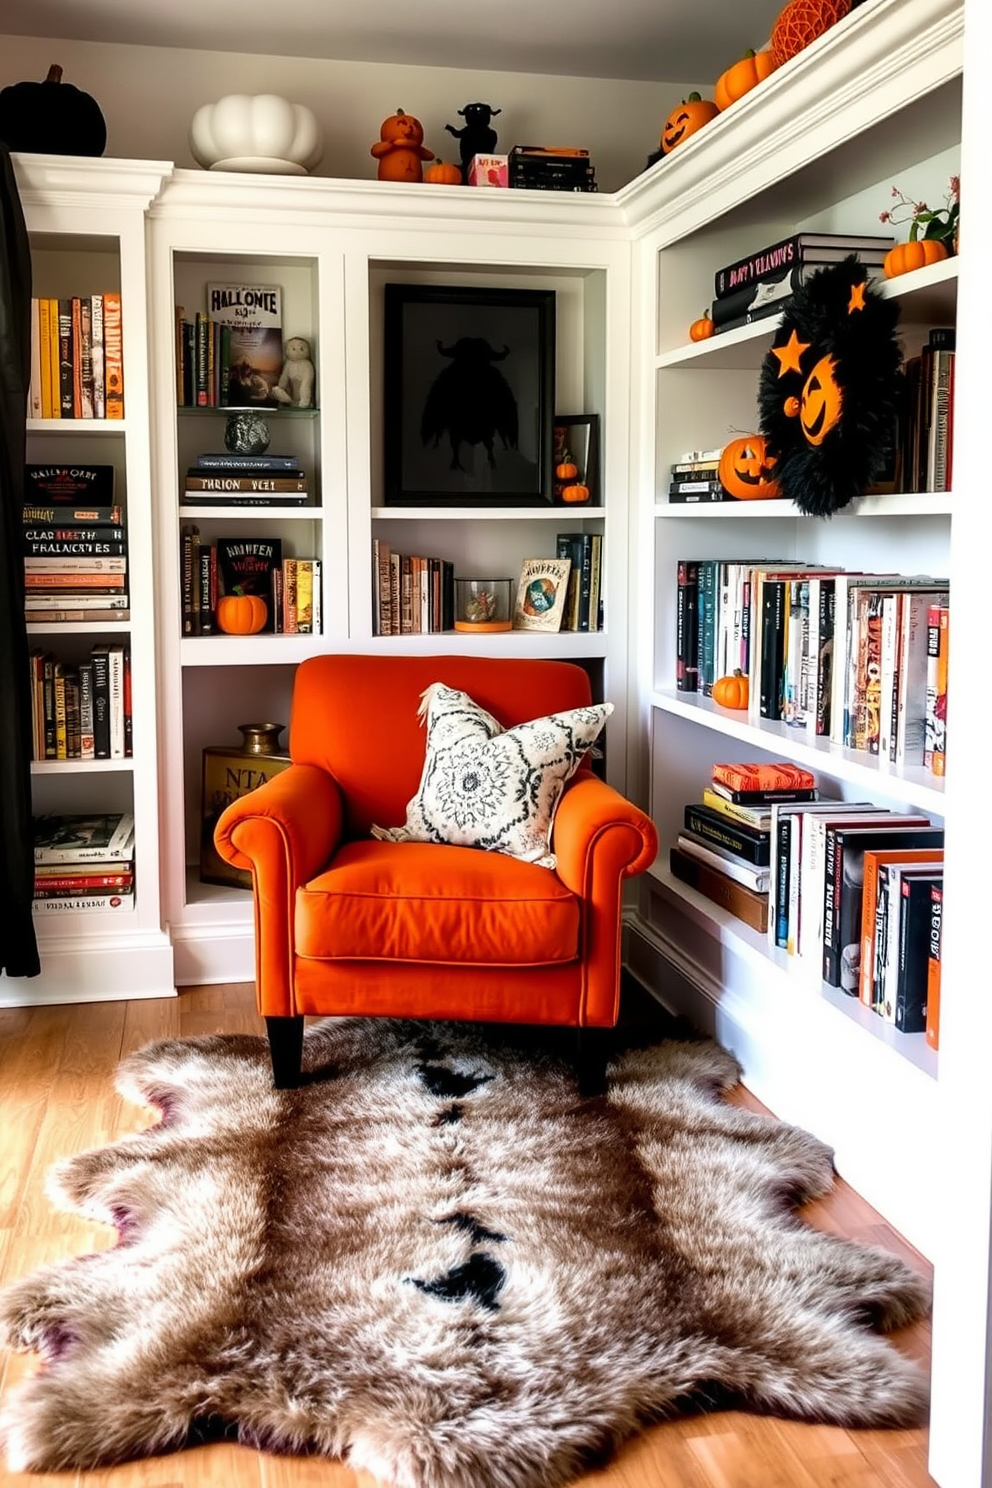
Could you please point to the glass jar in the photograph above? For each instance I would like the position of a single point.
(483, 604)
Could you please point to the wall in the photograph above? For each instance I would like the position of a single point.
(149, 94)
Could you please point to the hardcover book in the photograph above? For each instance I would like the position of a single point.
(253, 314)
(827, 247)
(71, 838)
(246, 565)
(541, 594)
(68, 485)
(747, 904)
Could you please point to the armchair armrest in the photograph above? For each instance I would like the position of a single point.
(599, 839)
(284, 832)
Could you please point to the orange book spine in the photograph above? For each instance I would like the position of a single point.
(933, 966)
(113, 355)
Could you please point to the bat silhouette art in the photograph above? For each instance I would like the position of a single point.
(470, 400)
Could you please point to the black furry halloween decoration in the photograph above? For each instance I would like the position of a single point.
(829, 388)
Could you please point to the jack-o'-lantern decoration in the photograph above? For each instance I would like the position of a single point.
(691, 114)
(746, 470)
(400, 149)
(828, 391)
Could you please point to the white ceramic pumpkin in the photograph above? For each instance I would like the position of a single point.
(260, 132)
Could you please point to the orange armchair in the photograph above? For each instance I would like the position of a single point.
(347, 924)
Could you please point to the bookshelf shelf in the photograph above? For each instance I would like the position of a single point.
(772, 965)
(83, 767)
(899, 504)
(78, 428)
(235, 515)
(913, 784)
(557, 514)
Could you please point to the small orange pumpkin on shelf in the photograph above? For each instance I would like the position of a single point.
(688, 116)
(566, 469)
(744, 75)
(905, 257)
(746, 471)
(443, 173)
(575, 493)
(242, 614)
(731, 691)
(701, 329)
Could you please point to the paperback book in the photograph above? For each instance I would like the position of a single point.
(248, 565)
(72, 838)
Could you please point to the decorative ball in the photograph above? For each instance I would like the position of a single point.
(801, 22)
(247, 433)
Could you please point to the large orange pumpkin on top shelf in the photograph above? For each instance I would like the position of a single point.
(746, 74)
(691, 114)
(746, 471)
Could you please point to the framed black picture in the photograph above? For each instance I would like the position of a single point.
(469, 393)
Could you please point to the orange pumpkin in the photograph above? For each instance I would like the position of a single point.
(802, 21)
(400, 149)
(905, 257)
(731, 691)
(575, 494)
(746, 470)
(242, 614)
(746, 74)
(443, 173)
(701, 329)
(566, 470)
(691, 114)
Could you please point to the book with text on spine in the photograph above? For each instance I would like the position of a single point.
(776, 257)
(72, 838)
(246, 565)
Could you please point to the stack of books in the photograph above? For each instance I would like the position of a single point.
(724, 849)
(926, 424)
(230, 355)
(82, 711)
(291, 587)
(552, 168)
(77, 367)
(246, 480)
(694, 478)
(74, 544)
(762, 283)
(84, 862)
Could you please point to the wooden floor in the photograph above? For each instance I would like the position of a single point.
(57, 1097)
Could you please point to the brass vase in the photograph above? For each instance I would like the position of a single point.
(230, 772)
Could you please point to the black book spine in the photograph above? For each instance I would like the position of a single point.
(771, 677)
(783, 827)
(100, 658)
(717, 831)
(914, 955)
(687, 626)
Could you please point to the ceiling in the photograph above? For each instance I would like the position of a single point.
(649, 40)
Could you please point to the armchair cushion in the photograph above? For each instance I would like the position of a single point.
(483, 787)
(429, 903)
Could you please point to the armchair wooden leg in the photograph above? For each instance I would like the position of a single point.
(286, 1051)
(592, 1052)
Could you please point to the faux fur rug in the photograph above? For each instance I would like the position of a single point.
(439, 1263)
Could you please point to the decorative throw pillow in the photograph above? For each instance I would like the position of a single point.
(489, 788)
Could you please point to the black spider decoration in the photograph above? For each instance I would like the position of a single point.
(476, 137)
(829, 387)
(470, 400)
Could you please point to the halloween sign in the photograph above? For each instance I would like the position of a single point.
(828, 389)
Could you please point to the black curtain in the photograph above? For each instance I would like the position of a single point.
(18, 947)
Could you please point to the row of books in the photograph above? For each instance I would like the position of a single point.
(761, 283)
(584, 595)
(83, 862)
(846, 890)
(77, 357)
(81, 711)
(74, 545)
(858, 658)
(551, 168)
(231, 354)
(411, 594)
(290, 587)
(925, 429)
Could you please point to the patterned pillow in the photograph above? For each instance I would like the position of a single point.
(489, 788)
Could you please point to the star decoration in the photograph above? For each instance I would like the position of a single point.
(857, 300)
(789, 354)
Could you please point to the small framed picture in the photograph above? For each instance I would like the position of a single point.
(468, 395)
(575, 459)
(541, 594)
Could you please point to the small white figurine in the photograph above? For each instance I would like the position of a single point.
(296, 380)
